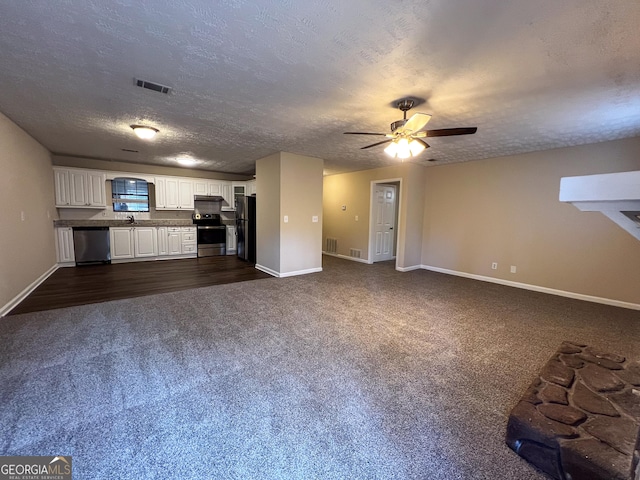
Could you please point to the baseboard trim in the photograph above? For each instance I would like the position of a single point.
(300, 272)
(273, 273)
(24, 293)
(408, 269)
(536, 288)
(347, 257)
(264, 269)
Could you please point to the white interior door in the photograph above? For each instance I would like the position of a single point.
(384, 212)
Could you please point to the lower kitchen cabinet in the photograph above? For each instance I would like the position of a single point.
(145, 242)
(122, 243)
(163, 241)
(189, 240)
(64, 245)
(174, 241)
(135, 243)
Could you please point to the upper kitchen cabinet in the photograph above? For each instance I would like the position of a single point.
(200, 187)
(215, 188)
(239, 189)
(77, 188)
(251, 188)
(222, 188)
(174, 193)
(227, 194)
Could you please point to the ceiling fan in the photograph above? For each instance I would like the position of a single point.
(405, 139)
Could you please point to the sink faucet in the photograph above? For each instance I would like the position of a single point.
(131, 219)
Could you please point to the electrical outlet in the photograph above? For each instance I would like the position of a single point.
(513, 269)
(356, 218)
(22, 216)
(494, 266)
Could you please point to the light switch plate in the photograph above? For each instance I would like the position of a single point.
(314, 219)
(286, 219)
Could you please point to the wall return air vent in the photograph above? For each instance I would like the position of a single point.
(156, 87)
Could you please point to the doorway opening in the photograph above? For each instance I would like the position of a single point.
(384, 220)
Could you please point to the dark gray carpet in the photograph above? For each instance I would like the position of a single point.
(358, 372)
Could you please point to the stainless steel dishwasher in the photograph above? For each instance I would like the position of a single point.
(91, 245)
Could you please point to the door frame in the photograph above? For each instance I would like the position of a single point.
(399, 207)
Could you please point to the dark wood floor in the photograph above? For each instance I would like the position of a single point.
(99, 283)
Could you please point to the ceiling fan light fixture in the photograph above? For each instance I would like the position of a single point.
(144, 132)
(403, 148)
(416, 147)
(392, 149)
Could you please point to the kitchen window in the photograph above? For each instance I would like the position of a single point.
(130, 195)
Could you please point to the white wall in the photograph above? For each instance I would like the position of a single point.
(301, 200)
(353, 190)
(289, 185)
(27, 247)
(268, 212)
(507, 210)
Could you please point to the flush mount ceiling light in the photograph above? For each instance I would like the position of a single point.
(186, 161)
(144, 132)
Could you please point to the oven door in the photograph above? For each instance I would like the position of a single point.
(212, 240)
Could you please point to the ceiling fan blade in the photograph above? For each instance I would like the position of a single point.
(376, 144)
(426, 145)
(416, 123)
(446, 132)
(363, 133)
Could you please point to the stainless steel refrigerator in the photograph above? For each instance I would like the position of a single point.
(246, 227)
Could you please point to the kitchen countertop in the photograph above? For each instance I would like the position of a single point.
(123, 223)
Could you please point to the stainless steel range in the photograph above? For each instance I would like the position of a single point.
(212, 235)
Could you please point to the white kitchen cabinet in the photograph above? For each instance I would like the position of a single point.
(251, 188)
(145, 242)
(174, 193)
(122, 243)
(222, 188)
(96, 194)
(160, 185)
(64, 245)
(185, 194)
(200, 187)
(162, 235)
(215, 188)
(232, 240)
(61, 187)
(174, 241)
(78, 188)
(227, 194)
(239, 190)
(188, 240)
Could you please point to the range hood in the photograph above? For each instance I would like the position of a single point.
(616, 195)
(210, 198)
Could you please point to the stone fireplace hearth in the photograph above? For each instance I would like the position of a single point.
(580, 419)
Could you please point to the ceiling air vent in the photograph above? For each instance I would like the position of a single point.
(156, 87)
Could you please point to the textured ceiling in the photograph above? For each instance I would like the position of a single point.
(253, 77)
